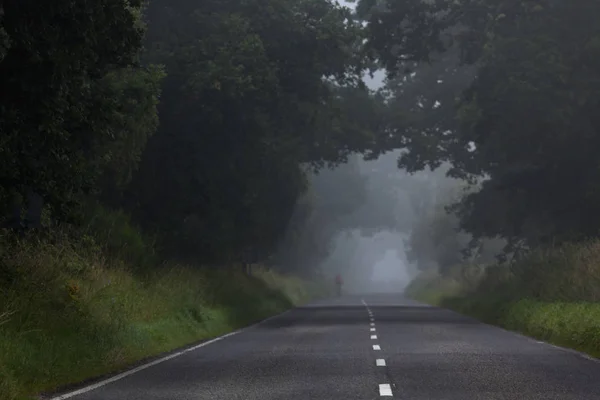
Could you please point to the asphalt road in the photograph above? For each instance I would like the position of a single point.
(332, 350)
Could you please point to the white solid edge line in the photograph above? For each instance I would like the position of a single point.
(566, 349)
(572, 351)
(376, 347)
(380, 362)
(373, 337)
(160, 360)
(385, 389)
(586, 356)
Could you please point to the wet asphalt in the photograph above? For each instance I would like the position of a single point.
(365, 347)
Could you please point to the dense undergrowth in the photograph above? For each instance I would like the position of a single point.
(79, 304)
(553, 295)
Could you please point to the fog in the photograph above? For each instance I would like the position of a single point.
(357, 219)
(374, 262)
(368, 243)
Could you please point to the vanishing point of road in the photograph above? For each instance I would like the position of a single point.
(361, 347)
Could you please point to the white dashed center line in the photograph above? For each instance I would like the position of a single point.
(385, 390)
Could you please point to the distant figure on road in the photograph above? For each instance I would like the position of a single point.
(339, 282)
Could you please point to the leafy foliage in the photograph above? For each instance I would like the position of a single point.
(530, 114)
(245, 108)
(526, 123)
(401, 32)
(64, 68)
(244, 97)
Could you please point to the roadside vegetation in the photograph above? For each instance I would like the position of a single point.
(551, 294)
(74, 309)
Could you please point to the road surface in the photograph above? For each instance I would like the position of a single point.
(364, 347)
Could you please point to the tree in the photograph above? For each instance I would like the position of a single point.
(401, 32)
(60, 64)
(527, 122)
(529, 115)
(255, 91)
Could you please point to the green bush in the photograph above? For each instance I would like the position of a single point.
(552, 294)
(77, 308)
(118, 238)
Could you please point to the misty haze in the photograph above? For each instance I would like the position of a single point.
(299, 199)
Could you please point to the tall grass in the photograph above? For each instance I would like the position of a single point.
(116, 237)
(72, 309)
(553, 294)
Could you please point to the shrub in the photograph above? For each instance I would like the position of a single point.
(552, 294)
(118, 237)
(74, 307)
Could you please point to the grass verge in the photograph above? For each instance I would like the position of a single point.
(552, 295)
(68, 312)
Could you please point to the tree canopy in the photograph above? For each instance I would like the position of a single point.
(524, 123)
(70, 102)
(255, 93)
(204, 120)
